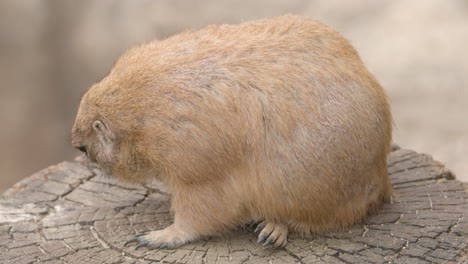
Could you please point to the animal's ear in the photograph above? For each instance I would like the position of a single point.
(102, 130)
(99, 126)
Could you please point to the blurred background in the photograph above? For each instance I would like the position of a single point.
(51, 51)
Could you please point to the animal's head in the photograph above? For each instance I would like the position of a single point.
(93, 133)
(109, 123)
(125, 122)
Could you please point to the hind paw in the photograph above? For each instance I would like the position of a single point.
(272, 234)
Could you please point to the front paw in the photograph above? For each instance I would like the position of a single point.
(169, 237)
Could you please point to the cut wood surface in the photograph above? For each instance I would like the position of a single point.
(68, 213)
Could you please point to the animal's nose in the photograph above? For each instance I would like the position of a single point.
(82, 149)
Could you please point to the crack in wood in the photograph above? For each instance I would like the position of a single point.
(96, 235)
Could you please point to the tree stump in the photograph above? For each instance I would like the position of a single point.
(68, 213)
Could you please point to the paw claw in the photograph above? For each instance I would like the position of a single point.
(261, 238)
(259, 227)
(165, 245)
(142, 244)
(141, 234)
(268, 242)
(133, 239)
(285, 242)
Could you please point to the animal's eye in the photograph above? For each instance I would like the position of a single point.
(83, 149)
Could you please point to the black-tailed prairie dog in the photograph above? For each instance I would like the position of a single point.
(276, 121)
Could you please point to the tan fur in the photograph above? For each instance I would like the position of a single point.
(275, 119)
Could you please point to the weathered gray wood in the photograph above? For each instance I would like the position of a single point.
(67, 213)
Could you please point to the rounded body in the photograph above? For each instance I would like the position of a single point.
(274, 119)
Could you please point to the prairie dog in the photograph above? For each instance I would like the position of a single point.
(276, 121)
